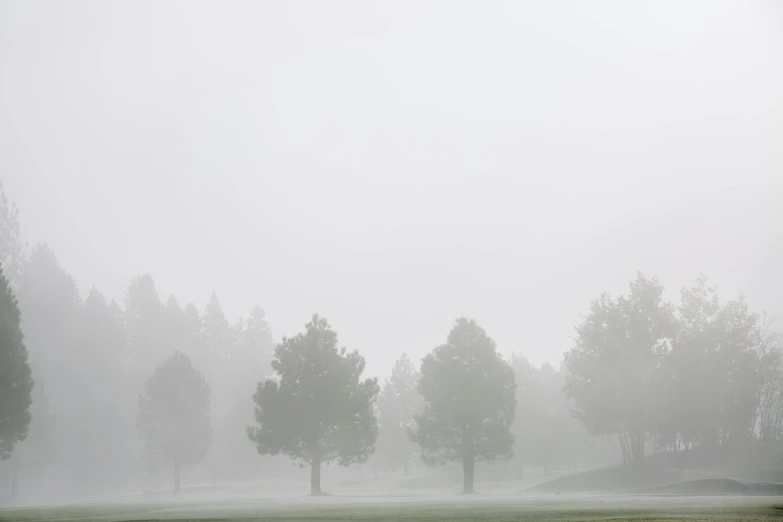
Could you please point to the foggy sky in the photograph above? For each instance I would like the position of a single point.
(395, 165)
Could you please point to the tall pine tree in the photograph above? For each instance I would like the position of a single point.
(16, 381)
(144, 325)
(11, 245)
(398, 404)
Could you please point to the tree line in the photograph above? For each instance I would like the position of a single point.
(657, 376)
(668, 377)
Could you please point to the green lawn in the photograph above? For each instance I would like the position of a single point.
(478, 507)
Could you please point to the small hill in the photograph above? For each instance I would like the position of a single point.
(717, 487)
(753, 467)
(616, 479)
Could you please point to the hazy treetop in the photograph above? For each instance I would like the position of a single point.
(395, 165)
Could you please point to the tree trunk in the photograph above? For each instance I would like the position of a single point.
(15, 478)
(176, 478)
(315, 477)
(468, 460)
(406, 469)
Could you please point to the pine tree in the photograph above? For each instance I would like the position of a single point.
(524, 373)
(11, 245)
(217, 336)
(255, 345)
(51, 307)
(99, 408)
(144, 325)
(469, 402)
(16, 381)
(38, 449)
(173, 415)
(398, 403)
(318, 410)
(192, 330)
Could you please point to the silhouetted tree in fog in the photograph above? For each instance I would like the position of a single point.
(246, 358)
(398, 402)
(546, 432)
(51, 308)
(146, 338)
(613, 369)
(469, 401)
(102, 396)
(16, 382)
(38, 449)
(319, 410)
(526, 403)
(173, 415)
(712, 370)
(217, 336)
(770, 414)
(254, 346)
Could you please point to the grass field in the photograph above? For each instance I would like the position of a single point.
(420, 508)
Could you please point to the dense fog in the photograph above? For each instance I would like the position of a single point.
(262, 248)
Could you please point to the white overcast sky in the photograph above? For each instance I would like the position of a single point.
(394, 165)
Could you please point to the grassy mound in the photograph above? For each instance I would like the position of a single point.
(755, 469)
(615, 480)
(718, 486)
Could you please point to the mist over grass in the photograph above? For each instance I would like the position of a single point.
(383, 259)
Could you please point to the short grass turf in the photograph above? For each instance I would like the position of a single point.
(478, 507)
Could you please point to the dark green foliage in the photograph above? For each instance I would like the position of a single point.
(318, 410)
(16, 381)
(173, 415)
(469, 401)
(38, 449)
(398, 403)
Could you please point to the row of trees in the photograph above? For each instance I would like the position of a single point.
(655, 375)
(94, 356)
(318, 409)
(89, 357)
(673, 377)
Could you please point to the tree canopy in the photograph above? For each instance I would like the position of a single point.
(16, 381)
(173, 415)
(613, 368)
(469, 401)
(398, 403)
(319, 409)
(11, 244)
